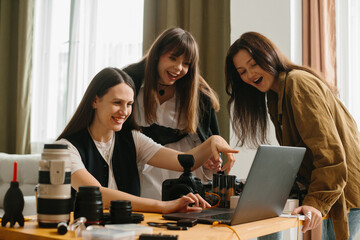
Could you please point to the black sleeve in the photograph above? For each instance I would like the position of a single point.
(136, 72)
(208, 124)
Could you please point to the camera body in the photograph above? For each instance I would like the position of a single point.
(186, 183)
(54, 189)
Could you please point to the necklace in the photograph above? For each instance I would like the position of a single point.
(162, 91)
(107, 152)
(103, 147)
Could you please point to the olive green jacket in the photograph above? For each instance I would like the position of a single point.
(306, 114)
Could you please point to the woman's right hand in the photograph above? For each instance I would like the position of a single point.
(182, 204)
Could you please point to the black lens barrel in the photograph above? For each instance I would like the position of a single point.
(88, 203)
(120, 211)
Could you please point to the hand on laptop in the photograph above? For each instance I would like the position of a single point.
(182, 204)
(312, 217)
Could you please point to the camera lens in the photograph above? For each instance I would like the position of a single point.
(54, 189)
(88, 204)
(120, 211)
(216, 183)
(230, 189)
(222, 190)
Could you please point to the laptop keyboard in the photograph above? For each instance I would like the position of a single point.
(222, 216)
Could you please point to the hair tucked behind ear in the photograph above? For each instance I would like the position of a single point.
(99, 86)
(248, 104)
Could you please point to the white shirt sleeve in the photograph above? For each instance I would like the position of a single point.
(76, 162)
(145, 148)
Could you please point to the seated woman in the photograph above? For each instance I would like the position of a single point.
(106, 149)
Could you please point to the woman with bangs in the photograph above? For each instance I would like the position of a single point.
(175, 106)
(305, 112)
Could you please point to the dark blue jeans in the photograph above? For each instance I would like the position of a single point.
(354, 225)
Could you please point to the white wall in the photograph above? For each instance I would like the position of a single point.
(280, 21)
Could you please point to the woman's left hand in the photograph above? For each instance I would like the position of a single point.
(219, 145)
(313, 217)
(213, 165)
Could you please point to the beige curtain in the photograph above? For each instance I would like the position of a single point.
(16, 27)
(319, 37)
(209, 22)
(319, 50)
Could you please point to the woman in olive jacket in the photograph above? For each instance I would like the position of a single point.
(305, 112)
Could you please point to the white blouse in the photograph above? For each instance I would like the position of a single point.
(167, 116)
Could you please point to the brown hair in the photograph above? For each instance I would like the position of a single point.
(179, 42)
(99, 86)
(249, 118)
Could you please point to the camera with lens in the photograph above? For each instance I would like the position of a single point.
(186, 183)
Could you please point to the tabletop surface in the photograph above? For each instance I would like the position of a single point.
(200, 231)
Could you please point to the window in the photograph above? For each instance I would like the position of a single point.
(73, 40)
(348, 54)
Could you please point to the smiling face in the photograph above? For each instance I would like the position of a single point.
(251, 73)
(112, 110)
(171, 68)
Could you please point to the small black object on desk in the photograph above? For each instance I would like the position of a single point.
(186, 222)
(13, 203)
(167, 225)
(62, 228)
(161, 236)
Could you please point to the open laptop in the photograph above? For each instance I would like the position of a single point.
(266, 190)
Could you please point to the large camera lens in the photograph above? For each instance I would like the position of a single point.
(88, 203)
(54, 190)
(120, 211)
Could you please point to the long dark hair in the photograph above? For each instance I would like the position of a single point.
(99, 86)
(179, 42)
(247, 103)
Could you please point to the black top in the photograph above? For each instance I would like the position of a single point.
(123, 160)
(208, 124)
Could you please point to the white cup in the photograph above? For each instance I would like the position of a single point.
(234, 201)
(290, 205)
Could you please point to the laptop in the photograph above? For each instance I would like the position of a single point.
(270, 179)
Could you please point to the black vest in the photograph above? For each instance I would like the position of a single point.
(123, 160)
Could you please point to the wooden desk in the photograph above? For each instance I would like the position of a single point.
(200, 231)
